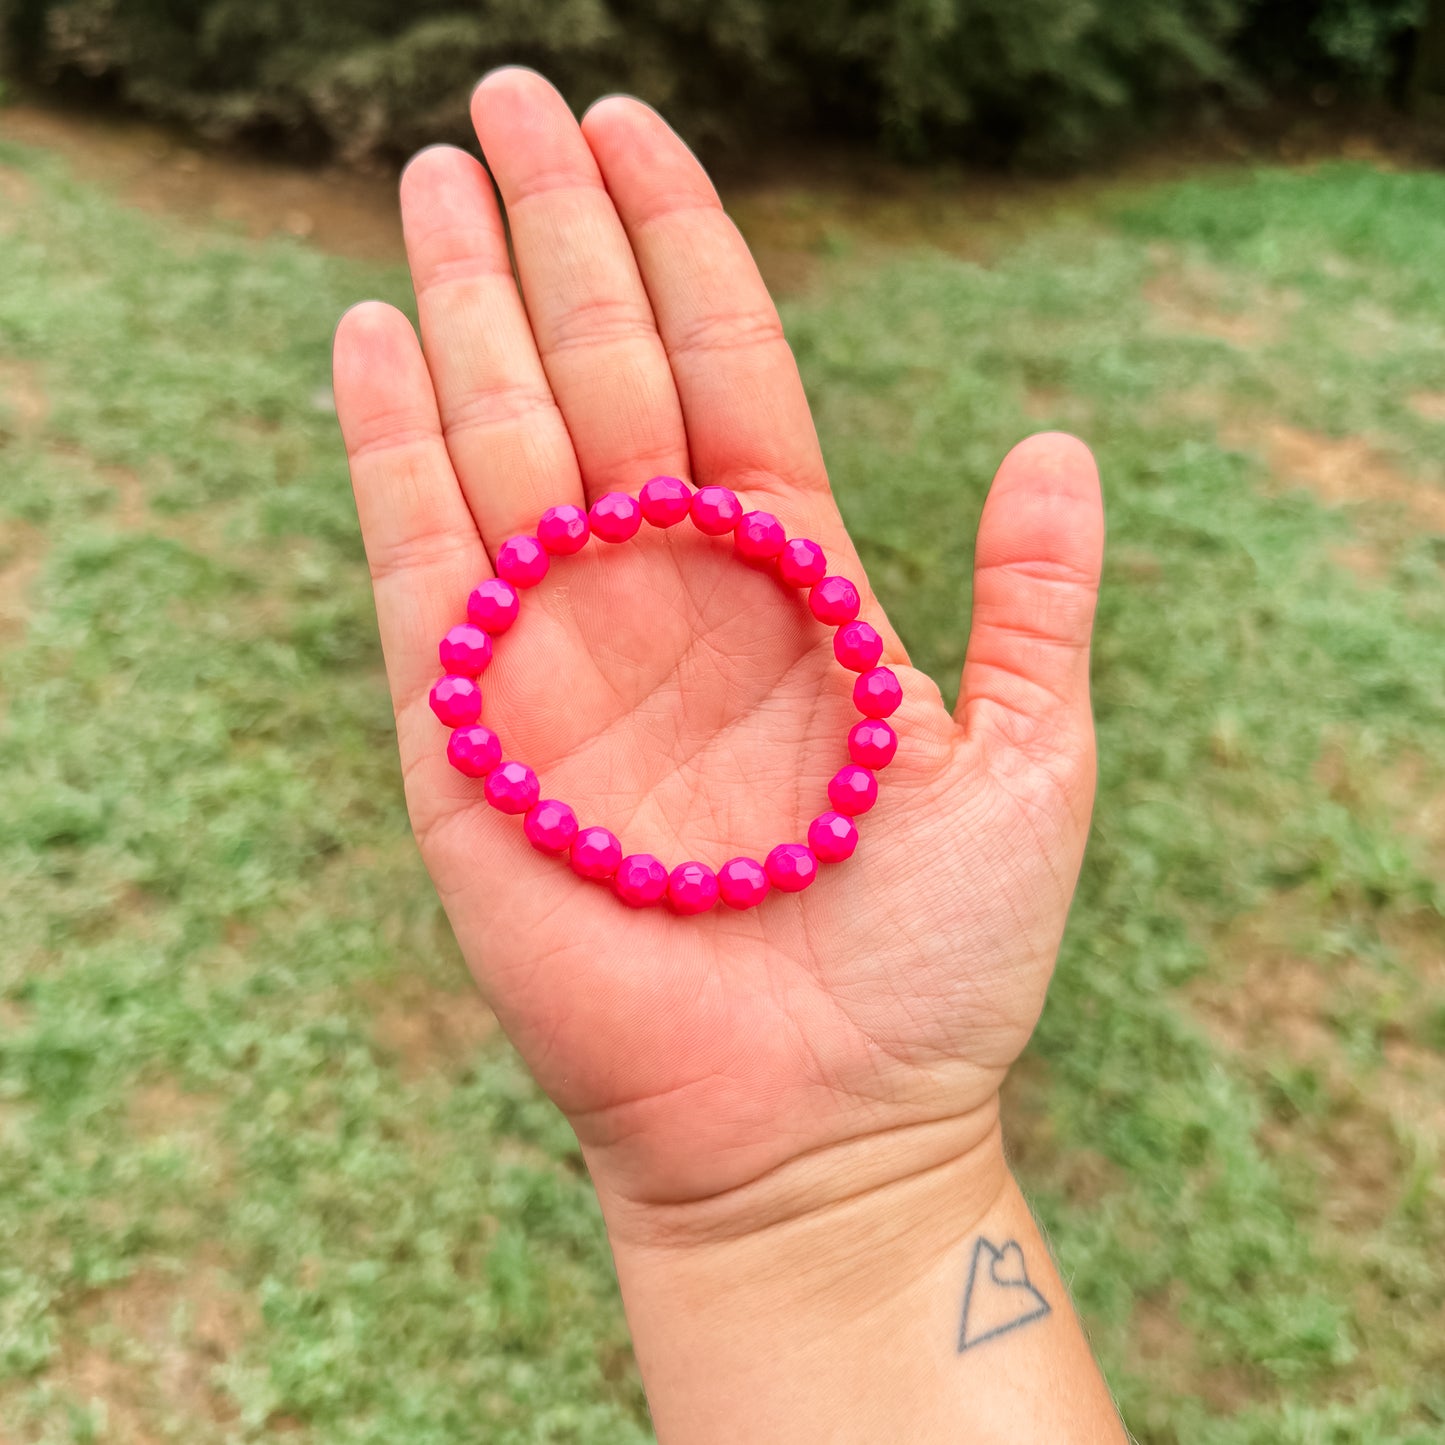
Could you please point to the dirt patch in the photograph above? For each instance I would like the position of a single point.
(22, 554)
(428, 1029)
(146, 1352)
(1197, 301)
(340, 211)
(1348, 471)
(1167, 1349)
(1081, 1175)
(1429, 405)
(24, 404)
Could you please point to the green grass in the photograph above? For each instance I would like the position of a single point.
(217, 940)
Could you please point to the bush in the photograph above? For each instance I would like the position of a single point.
(1032, 79)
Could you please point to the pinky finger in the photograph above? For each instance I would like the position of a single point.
(422, 545)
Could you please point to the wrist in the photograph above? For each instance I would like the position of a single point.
(846, 1321)
(893, 1180)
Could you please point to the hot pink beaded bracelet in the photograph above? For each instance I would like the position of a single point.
(639, 879)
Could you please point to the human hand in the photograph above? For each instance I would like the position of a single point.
(730, 1071)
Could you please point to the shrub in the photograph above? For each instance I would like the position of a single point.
(1036, 79)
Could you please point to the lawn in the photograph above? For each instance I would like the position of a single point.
(267, 1172)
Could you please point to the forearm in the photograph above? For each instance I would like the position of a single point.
(924, 1310)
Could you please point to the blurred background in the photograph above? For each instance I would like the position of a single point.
(267, 1170)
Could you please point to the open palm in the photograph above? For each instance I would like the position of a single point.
(691, 704)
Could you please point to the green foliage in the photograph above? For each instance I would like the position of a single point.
(228, 1002)
(1028, 78)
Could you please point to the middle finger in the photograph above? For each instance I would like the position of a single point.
(588, 307)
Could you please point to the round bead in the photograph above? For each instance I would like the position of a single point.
(466, 649)
(563, 530)
(853, 790)
(872, 743)
(665, 501)
(595, 853)
(522, 561)
(615, 517)
(857, 646)
(835, 601)
(742, 883)
(791, 867)
(550, 826)
(877, 693)
(801, 563)
(512, 787)
(641, 880)
(759, 537)
(456, 700)
(493, 606)
(691, 888)
(715, 510)
(474, 751)
(832, 837)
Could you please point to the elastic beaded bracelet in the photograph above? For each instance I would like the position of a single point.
(593, 852)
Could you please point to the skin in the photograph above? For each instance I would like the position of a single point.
(737, 1080)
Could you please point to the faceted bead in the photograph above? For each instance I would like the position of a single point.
(853, 790)
(791, 867)
(615, 517)
(522, 561)
(563, 530)
(493, 605)
(759, 537)
(512, 787)
(872, 743)
(641, 880)
(832, 837)
(474, 751)
(466, 649)
(835, 601)
(715, 510)
(801, 563)
(691, 888)
(595, 853)
(857, 646)
(742, 883)
(550, 826)
(665, 501)
(457, 701)
(878, 693)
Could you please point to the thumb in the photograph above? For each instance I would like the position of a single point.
(1035, 582)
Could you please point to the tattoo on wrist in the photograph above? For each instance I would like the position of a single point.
(999, 1297)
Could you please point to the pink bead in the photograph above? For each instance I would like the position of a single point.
(853, 790)
(563, 530)
(857, 646)
(522, 561)
(872, 743)
(791, 867)
(835, 601)
(742, 883)
(466, 649)
(715, 510)
(878, 693)
(832, 837)
(691, 888)
(665, 501)
(615, 517)
(595, 853)
(759, 537)
(641, 880)
(457, 701)
(512, 787)
(474, 751)
(550, 826)
(801, 563)
(493, 606)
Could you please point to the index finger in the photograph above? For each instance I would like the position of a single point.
(748, 422)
